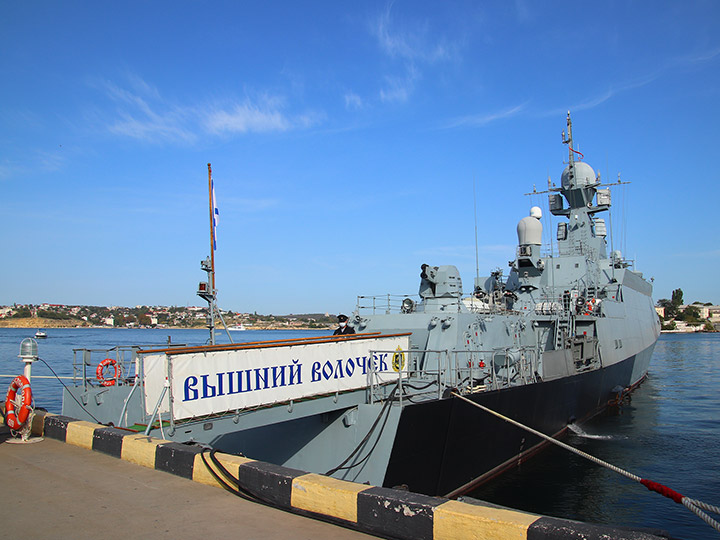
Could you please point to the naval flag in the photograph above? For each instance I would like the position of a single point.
(215, 215)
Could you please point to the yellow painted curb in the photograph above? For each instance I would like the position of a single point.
(230, 462)
(140, 449)
(455, 520)
(326, 496)
(80, 433)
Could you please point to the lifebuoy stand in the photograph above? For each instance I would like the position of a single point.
(24, 413)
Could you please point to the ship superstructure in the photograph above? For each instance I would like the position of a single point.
(553, 343)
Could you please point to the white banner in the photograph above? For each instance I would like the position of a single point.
(212, 382)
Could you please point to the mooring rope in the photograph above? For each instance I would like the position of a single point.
(693, 505)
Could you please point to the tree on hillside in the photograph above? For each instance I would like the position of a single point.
(690, 314)
(677, 297)
(670, 309)
(46, 314)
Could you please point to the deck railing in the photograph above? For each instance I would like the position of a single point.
(431, 374)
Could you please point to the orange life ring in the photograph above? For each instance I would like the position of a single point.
(100, 372)
(13, 419)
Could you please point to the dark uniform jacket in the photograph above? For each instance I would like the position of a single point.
(344, 331)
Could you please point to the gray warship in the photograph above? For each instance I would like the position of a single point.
(563, 336)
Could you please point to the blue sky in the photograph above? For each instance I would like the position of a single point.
(345, 139)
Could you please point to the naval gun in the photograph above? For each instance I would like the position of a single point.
(440, 282)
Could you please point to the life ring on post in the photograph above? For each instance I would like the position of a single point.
(100, 372)
(16, 419)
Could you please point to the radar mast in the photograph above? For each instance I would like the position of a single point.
(569, 140)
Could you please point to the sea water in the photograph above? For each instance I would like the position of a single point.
(669, 432)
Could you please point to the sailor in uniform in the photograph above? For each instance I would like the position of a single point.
(343, 329)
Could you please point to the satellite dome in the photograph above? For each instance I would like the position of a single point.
(536, 212)
(529, 231)
(582, 175)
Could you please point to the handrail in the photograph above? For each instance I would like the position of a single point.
(2, 375)
(157, 407)
(451, 371)
(269, 344)
(127, 400)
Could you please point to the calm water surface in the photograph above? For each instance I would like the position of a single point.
(669, 433)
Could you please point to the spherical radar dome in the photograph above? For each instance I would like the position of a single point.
(582, 176)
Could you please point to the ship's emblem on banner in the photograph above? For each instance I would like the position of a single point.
(398, 360)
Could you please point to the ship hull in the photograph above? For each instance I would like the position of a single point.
(449, 447)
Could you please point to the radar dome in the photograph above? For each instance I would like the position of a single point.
(580, 174)
(536, 212)
(529, 231)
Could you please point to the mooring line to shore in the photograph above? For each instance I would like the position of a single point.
(693, 505)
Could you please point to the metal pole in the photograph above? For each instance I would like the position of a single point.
(157, 407)
(212, 230)
(211, 272)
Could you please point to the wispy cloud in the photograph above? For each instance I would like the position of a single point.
(612, 92)
(704, 56)
(353, 101)
(399, 88)
(141, 112)
(37, 160)
(478, 120)
(412, 47)
(153, 127)
(50, 161)
(262, 115)
(247, 117)
(671, 65)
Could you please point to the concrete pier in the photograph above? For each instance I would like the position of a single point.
(57, 490)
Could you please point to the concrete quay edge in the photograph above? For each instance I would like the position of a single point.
(384, 512)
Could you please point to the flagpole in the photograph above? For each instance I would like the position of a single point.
(212, 229)
(207, 290)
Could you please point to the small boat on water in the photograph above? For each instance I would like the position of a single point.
(563, 336)
(40, 334)
(237, 328)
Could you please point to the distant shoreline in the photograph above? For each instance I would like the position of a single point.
(40, 322)
(686, 332)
